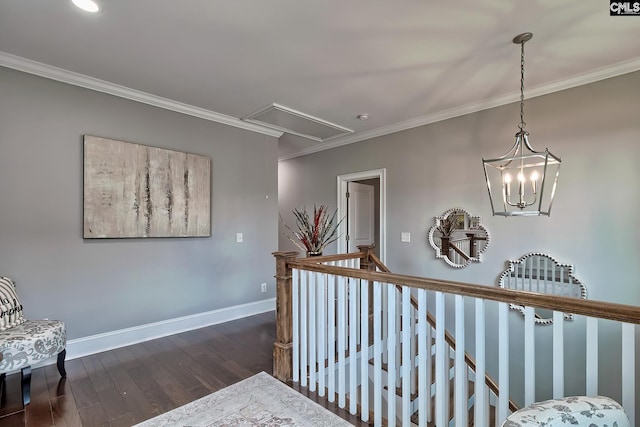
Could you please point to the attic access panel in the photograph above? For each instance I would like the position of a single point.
(288, 120)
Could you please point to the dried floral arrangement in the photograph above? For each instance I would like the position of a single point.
(449, 224)
(314, 232)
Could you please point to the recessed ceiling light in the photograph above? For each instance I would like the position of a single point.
(87, 5)
(363, 116)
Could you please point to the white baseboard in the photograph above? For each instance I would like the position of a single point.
(107, 341)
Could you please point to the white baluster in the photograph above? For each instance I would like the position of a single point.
(358, 304)
(364, 350)
(312, 332)
(406, 356)
(331, 337)
(629, 370)
(295, 314)
(322, 333)
(529, 356)
(503, 361)
(529, 264)
(460, 388)
(558, 354)
(429, 360)
(442, 368)
(304, 348)
(391, 353)
(414, 349)
(351, 263)
(481, 406)
(424, 365)
(554, 290)
(342, 341)
(398, 337)
(353, 347)
(377, 353)
(539, 273)
(385, 324)
(592, 356)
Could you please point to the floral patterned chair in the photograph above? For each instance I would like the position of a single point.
(596, 411)
(26, 342)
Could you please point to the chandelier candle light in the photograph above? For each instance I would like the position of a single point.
(535, 171)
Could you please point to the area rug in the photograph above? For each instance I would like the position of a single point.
(257, 401)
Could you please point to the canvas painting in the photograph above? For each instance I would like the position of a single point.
(133, 190)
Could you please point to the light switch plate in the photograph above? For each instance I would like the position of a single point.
(239, 237)
(405, 237)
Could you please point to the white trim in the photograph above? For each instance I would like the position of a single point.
(579, 80)
(54, 73)
(81, 347)
(381, 174)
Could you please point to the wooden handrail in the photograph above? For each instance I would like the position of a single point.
(603, 310)
(329, 258)
(451, 341)
(459, 252)
(378, 263)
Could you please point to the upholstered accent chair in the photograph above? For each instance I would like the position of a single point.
(595, 411)
(23, 342)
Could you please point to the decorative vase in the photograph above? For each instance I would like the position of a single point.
(314, 253)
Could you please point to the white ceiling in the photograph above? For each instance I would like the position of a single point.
(405, 63)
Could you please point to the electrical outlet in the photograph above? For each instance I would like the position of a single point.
(239, 238)
(405, 237)
(263, 287)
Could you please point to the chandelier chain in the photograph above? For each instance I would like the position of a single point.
(522, 124)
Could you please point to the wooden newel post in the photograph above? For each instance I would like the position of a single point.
(472, 245)
(445, 246)
(365, 261)
(282, 348)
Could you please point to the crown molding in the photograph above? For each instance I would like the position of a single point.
(54, 73)
(578, 80)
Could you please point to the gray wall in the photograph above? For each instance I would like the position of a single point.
(593, 225)
(104, 285)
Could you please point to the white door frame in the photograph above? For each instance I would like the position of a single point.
(381, 174)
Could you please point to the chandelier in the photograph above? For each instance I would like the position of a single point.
(522, 182)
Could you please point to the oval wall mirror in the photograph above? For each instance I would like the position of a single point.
(536, 272)
(458, 238)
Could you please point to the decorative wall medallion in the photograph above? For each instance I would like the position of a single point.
(458, 238)
(537, 272)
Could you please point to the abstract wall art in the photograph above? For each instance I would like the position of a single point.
(133, 190)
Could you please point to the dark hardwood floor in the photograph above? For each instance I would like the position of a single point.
(128, 385)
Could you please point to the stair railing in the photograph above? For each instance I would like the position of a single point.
(449, 339)
(323, 343)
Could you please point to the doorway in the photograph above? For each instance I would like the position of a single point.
(363, 212)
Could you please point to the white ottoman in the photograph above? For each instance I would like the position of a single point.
(596, 411)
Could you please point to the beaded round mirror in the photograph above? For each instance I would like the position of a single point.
(458, 238)
(537, 272)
